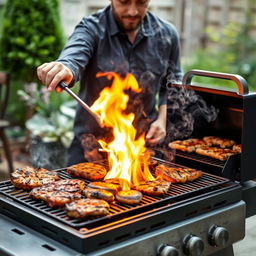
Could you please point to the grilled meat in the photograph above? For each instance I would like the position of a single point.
(193, 174)
(69, 185)
(55, 198)
(154, 188)
(177, 174)
(90, 171)
(171, 174)
(218, 141)
(188, 145)
(87, 207)
(29, 177)
(214, 152)
(237, 148)
(42, 173)
(58, 193)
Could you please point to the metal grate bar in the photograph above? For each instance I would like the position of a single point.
(202, 159)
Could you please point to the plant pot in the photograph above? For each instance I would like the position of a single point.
(48, 155)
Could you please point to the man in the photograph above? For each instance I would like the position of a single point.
(124, 37)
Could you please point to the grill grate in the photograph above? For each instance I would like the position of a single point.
(176, 193)
(201, 158)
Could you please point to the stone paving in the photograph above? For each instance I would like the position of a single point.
(247, 247)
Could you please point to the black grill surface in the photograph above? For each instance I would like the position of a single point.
(202, 159)
(118, 211)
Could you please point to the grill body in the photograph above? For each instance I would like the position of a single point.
(199, 198)
(174, 234)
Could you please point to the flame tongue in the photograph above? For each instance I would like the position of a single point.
(124, 150)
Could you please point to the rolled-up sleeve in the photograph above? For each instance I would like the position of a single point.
(79, 48)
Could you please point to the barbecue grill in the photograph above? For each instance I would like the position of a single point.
(203, 217)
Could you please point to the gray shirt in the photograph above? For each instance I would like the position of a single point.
(98, 45)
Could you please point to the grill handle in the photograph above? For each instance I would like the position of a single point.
(239, 80)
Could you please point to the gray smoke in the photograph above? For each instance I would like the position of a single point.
(51, 155)
(187, 111)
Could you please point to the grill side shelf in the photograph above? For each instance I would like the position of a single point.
(229, 169)
(177, 193)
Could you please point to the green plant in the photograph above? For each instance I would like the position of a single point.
(236, 52)
(53, 119)
(30, 35)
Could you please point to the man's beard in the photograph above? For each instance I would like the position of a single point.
(122, 25)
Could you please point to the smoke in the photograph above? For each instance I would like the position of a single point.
(139, 103)
(187, 113)
(51, 155)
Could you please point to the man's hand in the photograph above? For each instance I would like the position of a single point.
(90, 146)
(157, 130)
(156, 133)
(92, 155)
(52, 73)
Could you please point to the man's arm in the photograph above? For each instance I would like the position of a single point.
(157, 130)
(73, 58)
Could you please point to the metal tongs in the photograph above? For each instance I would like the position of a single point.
(63, 86)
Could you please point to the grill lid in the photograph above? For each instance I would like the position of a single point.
(235, 120)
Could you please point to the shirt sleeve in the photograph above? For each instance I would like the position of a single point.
(79, 48)
(175, 72)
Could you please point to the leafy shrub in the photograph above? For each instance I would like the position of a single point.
(30, 35)
(236, 52)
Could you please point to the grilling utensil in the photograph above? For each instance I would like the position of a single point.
(63, 86)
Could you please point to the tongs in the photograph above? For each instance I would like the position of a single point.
(63, 86)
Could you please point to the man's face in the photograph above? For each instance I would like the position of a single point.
(129, 13)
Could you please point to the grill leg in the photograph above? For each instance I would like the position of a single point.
(228, 251)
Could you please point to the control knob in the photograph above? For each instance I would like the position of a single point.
(193, 245)
(218, 236)
(167, 250)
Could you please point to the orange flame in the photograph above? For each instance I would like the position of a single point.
(127, 156)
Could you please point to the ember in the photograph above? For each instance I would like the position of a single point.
(127, 156)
